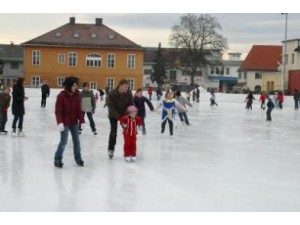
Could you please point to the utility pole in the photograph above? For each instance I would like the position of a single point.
(284, 58)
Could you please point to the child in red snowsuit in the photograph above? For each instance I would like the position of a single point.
(129, 124)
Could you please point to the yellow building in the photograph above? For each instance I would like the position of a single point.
(93, 53)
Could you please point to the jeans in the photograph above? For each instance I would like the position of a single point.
(113, 134)
(183, 117)
(64, 140)
(90, 117)
(20, 125)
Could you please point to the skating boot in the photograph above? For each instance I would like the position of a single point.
(80, 162)
(58, 164)
(110, 154)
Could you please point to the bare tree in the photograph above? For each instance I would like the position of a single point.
(199, 37)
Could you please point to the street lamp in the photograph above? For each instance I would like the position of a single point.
(284, 62)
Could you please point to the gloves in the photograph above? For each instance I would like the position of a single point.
(82, 126)
(124, 125)
(61, 127)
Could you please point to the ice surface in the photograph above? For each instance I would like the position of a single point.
(229, 159)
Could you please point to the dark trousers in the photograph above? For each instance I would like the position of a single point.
(163, 125)
(3, 120)
(90, 117)
(183, 117)
(113, 133)
(269, 110)
(44, 98)
(296, 104)
(20, 125)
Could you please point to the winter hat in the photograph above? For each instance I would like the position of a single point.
(69, 82)
(85, 84)
(131, 109)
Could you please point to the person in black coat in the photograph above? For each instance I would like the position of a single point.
(18, 110)
(139, 102)
(45, 93)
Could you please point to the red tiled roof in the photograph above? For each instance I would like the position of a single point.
(90, 35)
(262, 58)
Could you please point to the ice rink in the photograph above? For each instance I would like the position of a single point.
(229, 159)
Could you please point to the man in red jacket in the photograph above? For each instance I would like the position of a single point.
(68, 115)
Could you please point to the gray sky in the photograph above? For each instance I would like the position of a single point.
(242, 30)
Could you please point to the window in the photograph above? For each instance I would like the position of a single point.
(110, 83)
(270, 85)
(93, 85)
(258, 76)
(76, 35)
(131, 61)
(111, 60)
(60, 81)
(245, 75)
(212, 70)
(217, 70)
(61, 58)
(58, 34)
(93, 60)
(293, 59)
(240, 76)
(131, 83)
(35, 81)
(227, 70)
(148, 72)
(72, 58)
(172, 74)
(14, 65)
(222, 71)
(94, 36)
(36, 57)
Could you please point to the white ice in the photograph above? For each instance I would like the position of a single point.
(229, 159)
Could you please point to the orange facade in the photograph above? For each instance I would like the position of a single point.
(51, 69)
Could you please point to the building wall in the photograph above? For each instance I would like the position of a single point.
(11, 74)
(251, 82)
(275, 77)
(50, 69)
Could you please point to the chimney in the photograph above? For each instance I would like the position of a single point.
(72, 20)
(99, 21)
(12, 44)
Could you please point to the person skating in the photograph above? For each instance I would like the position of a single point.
(262, 99)
(68, 114)
(117, 102)
(296, 98)
(270, 107)
(213, 99)
(18, 108)
(169, 105)
(182, 113)
(139, 102)
(45, 89)
(249, 100)
(129, 124)
(4, 104)
(88, 106)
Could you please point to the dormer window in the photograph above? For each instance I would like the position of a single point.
(58, 34)
(76, 35)
(94, 36)
(111, 36)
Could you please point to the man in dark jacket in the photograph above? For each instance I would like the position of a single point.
(117, 102)
(45, 93)
(18, 109)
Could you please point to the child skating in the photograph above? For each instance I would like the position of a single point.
(129, 124)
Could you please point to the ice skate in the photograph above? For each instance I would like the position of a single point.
(127, 159)
(58, 164)
(80, 162)
(110, 154)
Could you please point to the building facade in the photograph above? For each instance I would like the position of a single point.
(92, 53)
(11, 60)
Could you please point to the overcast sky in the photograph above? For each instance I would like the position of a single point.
(242, 30)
